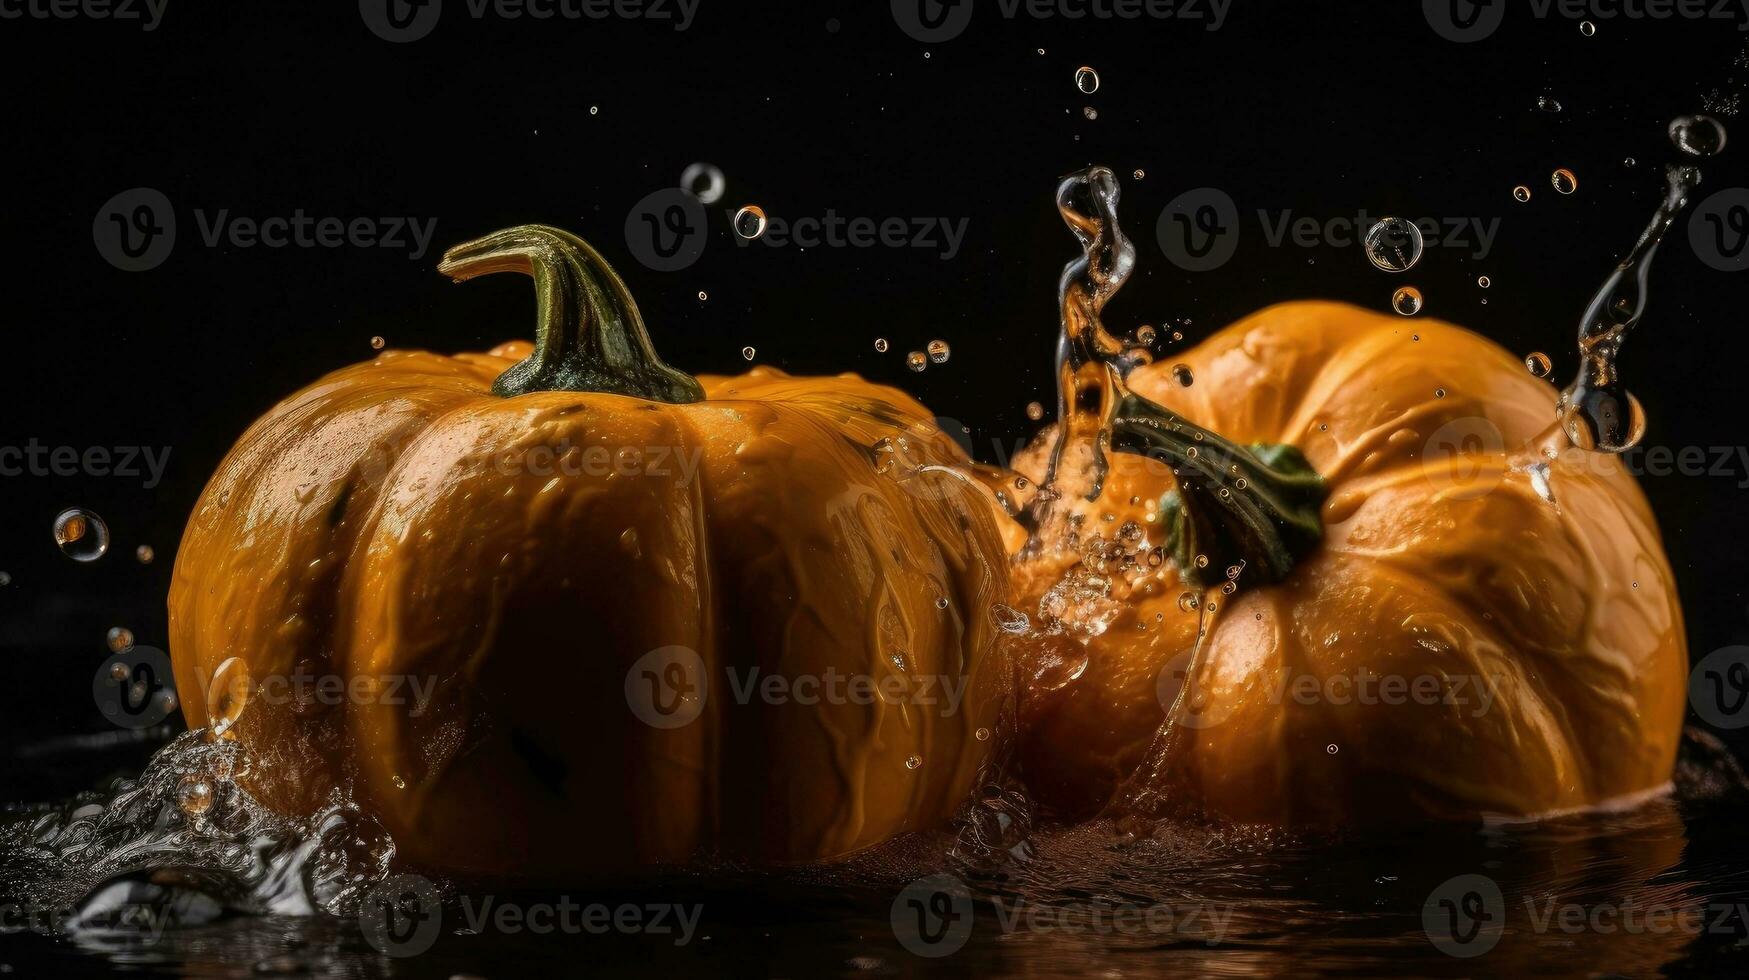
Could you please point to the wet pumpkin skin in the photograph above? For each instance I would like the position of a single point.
(399, 518)
(1434, 563)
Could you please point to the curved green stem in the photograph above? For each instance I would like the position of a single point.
(588, 334)
(1256, 507)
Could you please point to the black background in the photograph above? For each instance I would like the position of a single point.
(1324, 108)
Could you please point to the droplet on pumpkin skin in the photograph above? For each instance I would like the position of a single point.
(1181, 373)
(914, 762)
(982, 734)
(227, 697)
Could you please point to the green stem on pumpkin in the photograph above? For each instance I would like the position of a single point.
(1256, 507)
(588, 334)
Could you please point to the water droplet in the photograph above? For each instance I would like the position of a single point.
(914, 762)
(1145, 335)
(941, 602)
(1630, 163)
(916, 360)
(1538, 363)
(1598, 419)
(748, 352)
(1439, 392)
(1090, 112)
(594, 110)
(1587, 28)
(1009, 619)
(1331, 748)
(144, 554)
(1564, 181)
(982, 734)
(398, 781)
(1035, 411)
(1188, 602)
(1548, 103)
(194, 796)
(118, 671)
(1484, 281)
(227, 696)
(1697, 136)
(1393, 244)
(1181, 374)
(1202, 561)
(1087, 80)
(377, 343)
(750, 222)
(939, 351)
(81, 534)
(702, 296)
(1139, 174)
(1406, 300)
(1521, 193)
(880, 345)
(120, 638)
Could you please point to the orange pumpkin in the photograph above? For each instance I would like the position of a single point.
(1485, 623)
(580, 569)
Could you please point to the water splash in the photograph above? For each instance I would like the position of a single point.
(1595, 411)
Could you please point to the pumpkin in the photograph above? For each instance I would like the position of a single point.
(558, 581)
(1440, 608)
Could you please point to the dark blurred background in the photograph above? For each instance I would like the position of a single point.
(1321, 109)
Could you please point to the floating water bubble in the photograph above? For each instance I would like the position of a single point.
(1202, 561)
(1484, 281)
(939, 351)
(1181, 373)
(594, 110)
(702, 296)
(378, 343)
(880, 345)
(1090, 112)
(1393, 244)
(1406, 300)
(1548, 103)
(1521, 193)
(119, 638)
(1587, 28)
(747, 353)
(1538, 364)
(1564, 180)
(1145, 335)
(1139, 174)
(750, 222)
(227, 696)
(1630, 163)
(1603, 420)
(916, 360)
(1087, 80)
(144, 554)
(1697, 136)
(704, 181)
(81, 534)
(194, 796)
(914, 762)
(1035, 411)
